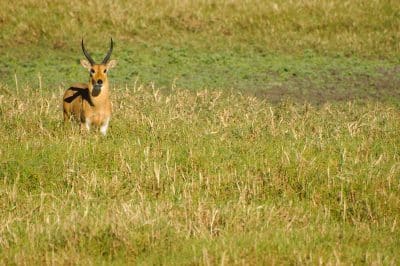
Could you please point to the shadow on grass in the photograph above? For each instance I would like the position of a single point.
(335, 88)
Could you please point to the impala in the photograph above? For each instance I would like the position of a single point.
(89, 103)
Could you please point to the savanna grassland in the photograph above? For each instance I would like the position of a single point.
(244, 132)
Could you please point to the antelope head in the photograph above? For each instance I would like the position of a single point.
(98, 72)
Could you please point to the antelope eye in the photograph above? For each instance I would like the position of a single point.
(105, 71)
(92, 71)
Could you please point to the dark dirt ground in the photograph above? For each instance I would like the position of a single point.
(382, 87)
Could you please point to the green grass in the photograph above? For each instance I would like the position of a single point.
(309, 51)
(310, 77)
(244, 132)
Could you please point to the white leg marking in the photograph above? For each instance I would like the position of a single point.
(104, 127)
(87, 124)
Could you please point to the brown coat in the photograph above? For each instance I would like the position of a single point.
(89, 103)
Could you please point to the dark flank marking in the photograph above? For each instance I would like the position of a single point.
(79, 92)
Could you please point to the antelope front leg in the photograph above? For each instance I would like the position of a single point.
(85, 126)
(104, 126)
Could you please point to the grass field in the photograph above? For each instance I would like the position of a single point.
(244, 132)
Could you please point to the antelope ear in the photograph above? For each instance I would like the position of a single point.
(111, 63)
(85, 64)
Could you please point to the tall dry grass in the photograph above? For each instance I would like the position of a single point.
(364, 28)
(204, 177)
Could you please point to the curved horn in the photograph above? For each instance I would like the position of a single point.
(105, 60)
(87, 54)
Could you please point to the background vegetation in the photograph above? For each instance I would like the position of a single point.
(244, 132)
(313, 50)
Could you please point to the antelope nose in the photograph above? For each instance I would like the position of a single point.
(100, 82)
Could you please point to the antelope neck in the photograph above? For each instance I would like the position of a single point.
(101, 98)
